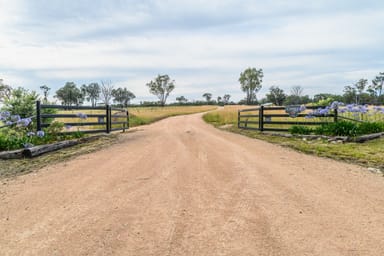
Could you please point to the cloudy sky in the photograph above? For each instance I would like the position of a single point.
(320, 45)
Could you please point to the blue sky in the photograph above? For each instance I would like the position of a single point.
(202, 45)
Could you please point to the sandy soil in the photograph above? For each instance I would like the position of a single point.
(182, 187)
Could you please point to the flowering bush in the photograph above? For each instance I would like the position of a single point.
(354, 120)
(350, 111)
(17, 132)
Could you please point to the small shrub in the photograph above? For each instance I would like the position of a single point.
(303, 130)
(370, 127)
(342, 128)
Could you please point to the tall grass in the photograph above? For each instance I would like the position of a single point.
(137, 115)
(223, 116)
(147, 115)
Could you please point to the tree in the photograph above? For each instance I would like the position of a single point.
(354, 92)
(276, 95)
(207, 96)
(350, 95)
(122, 96)
(162, 86)
(250, 81)
(69, 94)
(5, 91)
(297, 90)
(106, 91)
(295, 100)
(21, 102)
(226, 98)
(181, 100)
(296, 96)
(219, 99)
(45, 90)
(91, 92)
(376, 88)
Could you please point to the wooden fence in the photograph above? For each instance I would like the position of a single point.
(278, 119)
(100, 119)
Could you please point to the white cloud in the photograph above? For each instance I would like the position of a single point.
(203, 45)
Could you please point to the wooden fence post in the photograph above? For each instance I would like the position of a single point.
(127, 119)
(108, 118)
(261, 118)
(238, 119)
(335, 115)
(38, 116)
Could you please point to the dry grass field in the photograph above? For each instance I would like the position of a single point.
(138, 115)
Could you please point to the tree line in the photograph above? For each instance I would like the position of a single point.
(105, 92)
(361, 92)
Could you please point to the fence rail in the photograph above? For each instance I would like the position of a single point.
(278, 119)
(109, 119)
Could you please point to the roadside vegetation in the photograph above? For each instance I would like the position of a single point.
(139, 116)
(367, 154)
(18, 128)
(147, 115)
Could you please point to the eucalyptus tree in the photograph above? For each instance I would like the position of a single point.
(207, 96)
(181, 100)
(226, 98)
(45, 90)
(106, 91)
(376, 88)
(355, 91)
(276, 95)
(123, 96)
(69, 94)
(5, 91)
(250, 80)
(161, 87)
(91, 92)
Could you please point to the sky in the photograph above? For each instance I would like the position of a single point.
(321, 45)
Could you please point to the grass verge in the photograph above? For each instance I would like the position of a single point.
(15, 167)
(368, 154)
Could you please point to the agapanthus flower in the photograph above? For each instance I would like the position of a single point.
(82, 115)
(40, 134)
(5, 114)
(24, 122)
(28, 145)
(30, 134)
(363, 109)
(336, 104)
(15, 118)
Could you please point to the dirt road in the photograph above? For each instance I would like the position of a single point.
(182, 187)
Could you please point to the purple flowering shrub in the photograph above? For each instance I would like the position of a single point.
(351, 111)
(353, 119)
(17, 132)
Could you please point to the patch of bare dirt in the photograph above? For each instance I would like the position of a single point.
(182, 187)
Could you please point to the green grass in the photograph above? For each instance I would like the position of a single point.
(368, 154)
(15, 167)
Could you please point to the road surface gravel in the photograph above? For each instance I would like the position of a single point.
(182, 187)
